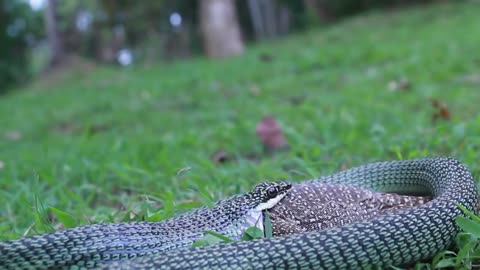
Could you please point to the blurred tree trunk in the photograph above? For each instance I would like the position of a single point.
(284, 20)
(220, 28)
(269, 19)
(257, 19)
(54, 38)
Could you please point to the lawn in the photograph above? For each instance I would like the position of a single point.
(106, 144)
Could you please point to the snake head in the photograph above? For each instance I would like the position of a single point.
(268, 194)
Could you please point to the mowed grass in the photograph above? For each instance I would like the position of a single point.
(108, 144)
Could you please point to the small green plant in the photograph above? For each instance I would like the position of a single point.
(42, 223)
(211, 238)
(65, 218)
(251, 233)
(467, 254)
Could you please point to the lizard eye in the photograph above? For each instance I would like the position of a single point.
(272, 192)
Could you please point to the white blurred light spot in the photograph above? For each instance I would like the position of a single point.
(84, 19)
(175, 19)
(36, 4)
(125, 57)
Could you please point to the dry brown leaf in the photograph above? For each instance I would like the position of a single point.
(221, 156)
(402, 84)
(265, 57)
(98, 128)
(444, 113)
(270, 134)
(441, 110)
(297, 100)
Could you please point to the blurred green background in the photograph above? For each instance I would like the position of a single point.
(141, 114)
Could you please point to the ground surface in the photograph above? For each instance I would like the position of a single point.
(96, 143)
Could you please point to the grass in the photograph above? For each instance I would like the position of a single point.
(107, 144)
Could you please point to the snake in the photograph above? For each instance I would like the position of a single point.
(392, 239)
(87, 246)
(397, 238)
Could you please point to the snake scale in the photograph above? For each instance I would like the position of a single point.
(395, 238)
(86, 246)
(315, 206)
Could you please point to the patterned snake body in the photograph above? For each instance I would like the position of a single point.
(89, 245)
(392, 239)
(395, 238)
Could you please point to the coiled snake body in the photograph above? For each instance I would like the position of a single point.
(87, 246)
(392, 239)
(395, 238)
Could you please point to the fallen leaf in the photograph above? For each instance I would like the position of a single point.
(2, 165)
(183, 170)
(265, 57)
(473, 78)
(270, 134)
(402, 84)
(444, 113)
(98, 128)
(67, 127)
(13, 135)
(255, 90)
(441, 110)
(221, 156)
(297, 100)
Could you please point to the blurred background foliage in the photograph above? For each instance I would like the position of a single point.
(40, 35)
(20, 27)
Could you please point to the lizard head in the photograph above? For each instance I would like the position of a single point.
(268, 194)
